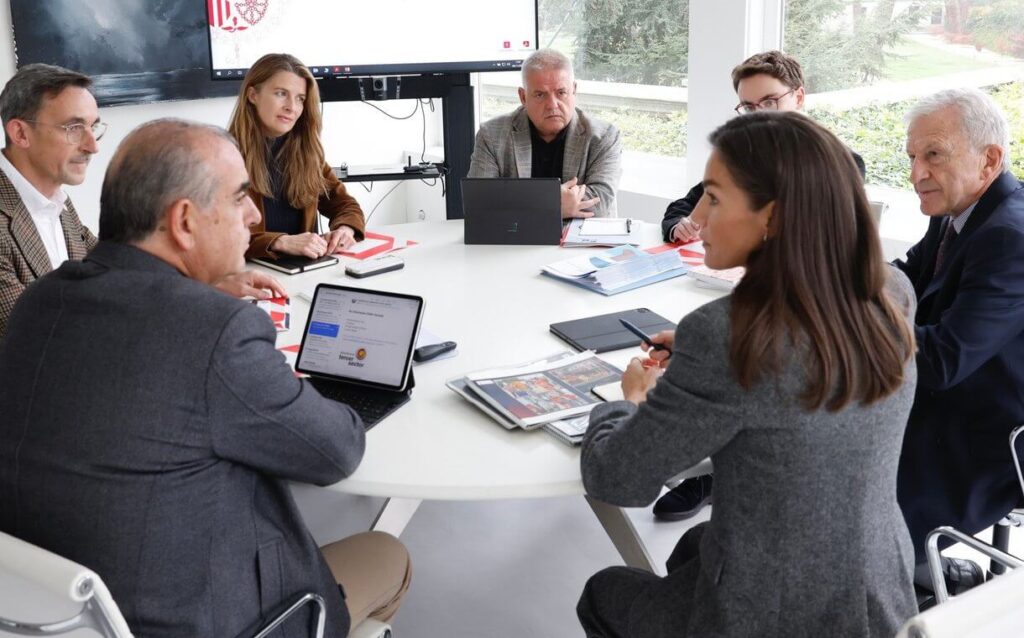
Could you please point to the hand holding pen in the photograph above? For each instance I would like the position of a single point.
(658, 346)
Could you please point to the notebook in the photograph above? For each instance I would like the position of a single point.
(512, 211)
(357, 348)
(295, 264)
(604, 332)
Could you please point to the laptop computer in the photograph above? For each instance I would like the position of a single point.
(357, 348)
(514, 211)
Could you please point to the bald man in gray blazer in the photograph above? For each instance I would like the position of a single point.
(549, 137)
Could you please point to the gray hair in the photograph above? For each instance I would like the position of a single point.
(547, 60)
(22, 97)
(982, 121)
(158, 163)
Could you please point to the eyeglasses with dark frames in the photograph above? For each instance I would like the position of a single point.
(768, 104)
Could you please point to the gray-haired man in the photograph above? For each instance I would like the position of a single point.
(549, 137)
(150, 427)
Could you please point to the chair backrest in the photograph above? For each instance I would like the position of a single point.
(1017, 450)
(877, 208)
(995, 608)
(43, 594)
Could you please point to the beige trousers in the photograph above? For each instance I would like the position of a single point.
(374, 569)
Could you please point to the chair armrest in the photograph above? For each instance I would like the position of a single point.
(285, 610)
(935, 562)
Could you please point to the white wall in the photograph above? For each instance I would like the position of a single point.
(353, 133)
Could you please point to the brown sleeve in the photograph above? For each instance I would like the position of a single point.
(260, 239)
(339, 207)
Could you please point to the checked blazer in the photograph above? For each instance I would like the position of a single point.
(23, 257)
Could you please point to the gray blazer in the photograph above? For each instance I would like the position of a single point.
(805, 537)
(23, 257)
(149, 432)
(593, 154)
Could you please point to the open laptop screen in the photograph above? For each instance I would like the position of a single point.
(363, 336)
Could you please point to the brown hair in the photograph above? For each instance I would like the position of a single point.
(302, 155)
(819, 278)
(777, 64)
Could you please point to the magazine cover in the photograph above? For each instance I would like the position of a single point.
(547, 392)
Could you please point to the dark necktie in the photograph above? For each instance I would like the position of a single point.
(947, 239)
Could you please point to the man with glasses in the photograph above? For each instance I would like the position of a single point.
(51, 129)
(770, 80)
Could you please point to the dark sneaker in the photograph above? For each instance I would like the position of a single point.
(684, 500)
(961, 575)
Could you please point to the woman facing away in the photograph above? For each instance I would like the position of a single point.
(798, 386)
(277, 123)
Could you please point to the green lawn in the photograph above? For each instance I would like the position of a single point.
(912, 60)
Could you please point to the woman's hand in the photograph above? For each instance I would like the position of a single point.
(660, 357)
(340, 239)
(306, 244)
(639, 377)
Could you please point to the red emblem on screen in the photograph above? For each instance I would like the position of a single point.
(526, 43)
(235, 16)
(508, 45)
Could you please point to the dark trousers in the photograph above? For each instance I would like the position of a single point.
(611, 596)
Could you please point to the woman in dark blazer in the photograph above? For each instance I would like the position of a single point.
(798, 386)
(277, 124)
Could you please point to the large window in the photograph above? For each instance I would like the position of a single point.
(630, 59)
(866, 63)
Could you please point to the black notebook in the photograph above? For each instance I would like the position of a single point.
(294, 264)
(604, 332)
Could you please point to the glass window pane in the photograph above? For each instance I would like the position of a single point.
(866, 63)
(630, 59)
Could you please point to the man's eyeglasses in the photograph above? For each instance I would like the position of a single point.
(769, 103)
(76, 131)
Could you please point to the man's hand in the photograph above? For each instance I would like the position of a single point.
(686, 231)
(573, 204)
(340, 239)
(639, 377)
(660, 357)
(250, 283)
(306, 244)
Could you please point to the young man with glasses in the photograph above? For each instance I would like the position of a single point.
(51, 129)
(765, 81)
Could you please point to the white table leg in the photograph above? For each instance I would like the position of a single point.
(622, 534)
(395, 515)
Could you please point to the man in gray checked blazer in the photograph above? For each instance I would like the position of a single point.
(51, 129)
(549, 137)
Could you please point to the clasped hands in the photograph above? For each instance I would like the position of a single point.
(641, 374)
(573, 204)
(313, 245)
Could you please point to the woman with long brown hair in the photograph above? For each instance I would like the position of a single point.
(277, 123)
(798, 386)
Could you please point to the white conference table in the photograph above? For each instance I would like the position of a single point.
(493, 301)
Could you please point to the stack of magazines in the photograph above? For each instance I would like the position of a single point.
(554, 393)
(618, 269)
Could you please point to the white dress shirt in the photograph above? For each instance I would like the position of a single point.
(45, 212)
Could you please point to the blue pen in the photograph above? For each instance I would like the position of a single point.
(640, 333)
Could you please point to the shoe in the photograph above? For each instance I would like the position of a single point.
(684, 500)
(961, 575)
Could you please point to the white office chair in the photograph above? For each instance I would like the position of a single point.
(1001, 530)
(993, 609)
(43, 594)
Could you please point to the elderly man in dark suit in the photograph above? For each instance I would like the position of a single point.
(150, 427)
(51, 130)
(968, 273)
(549, 137)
